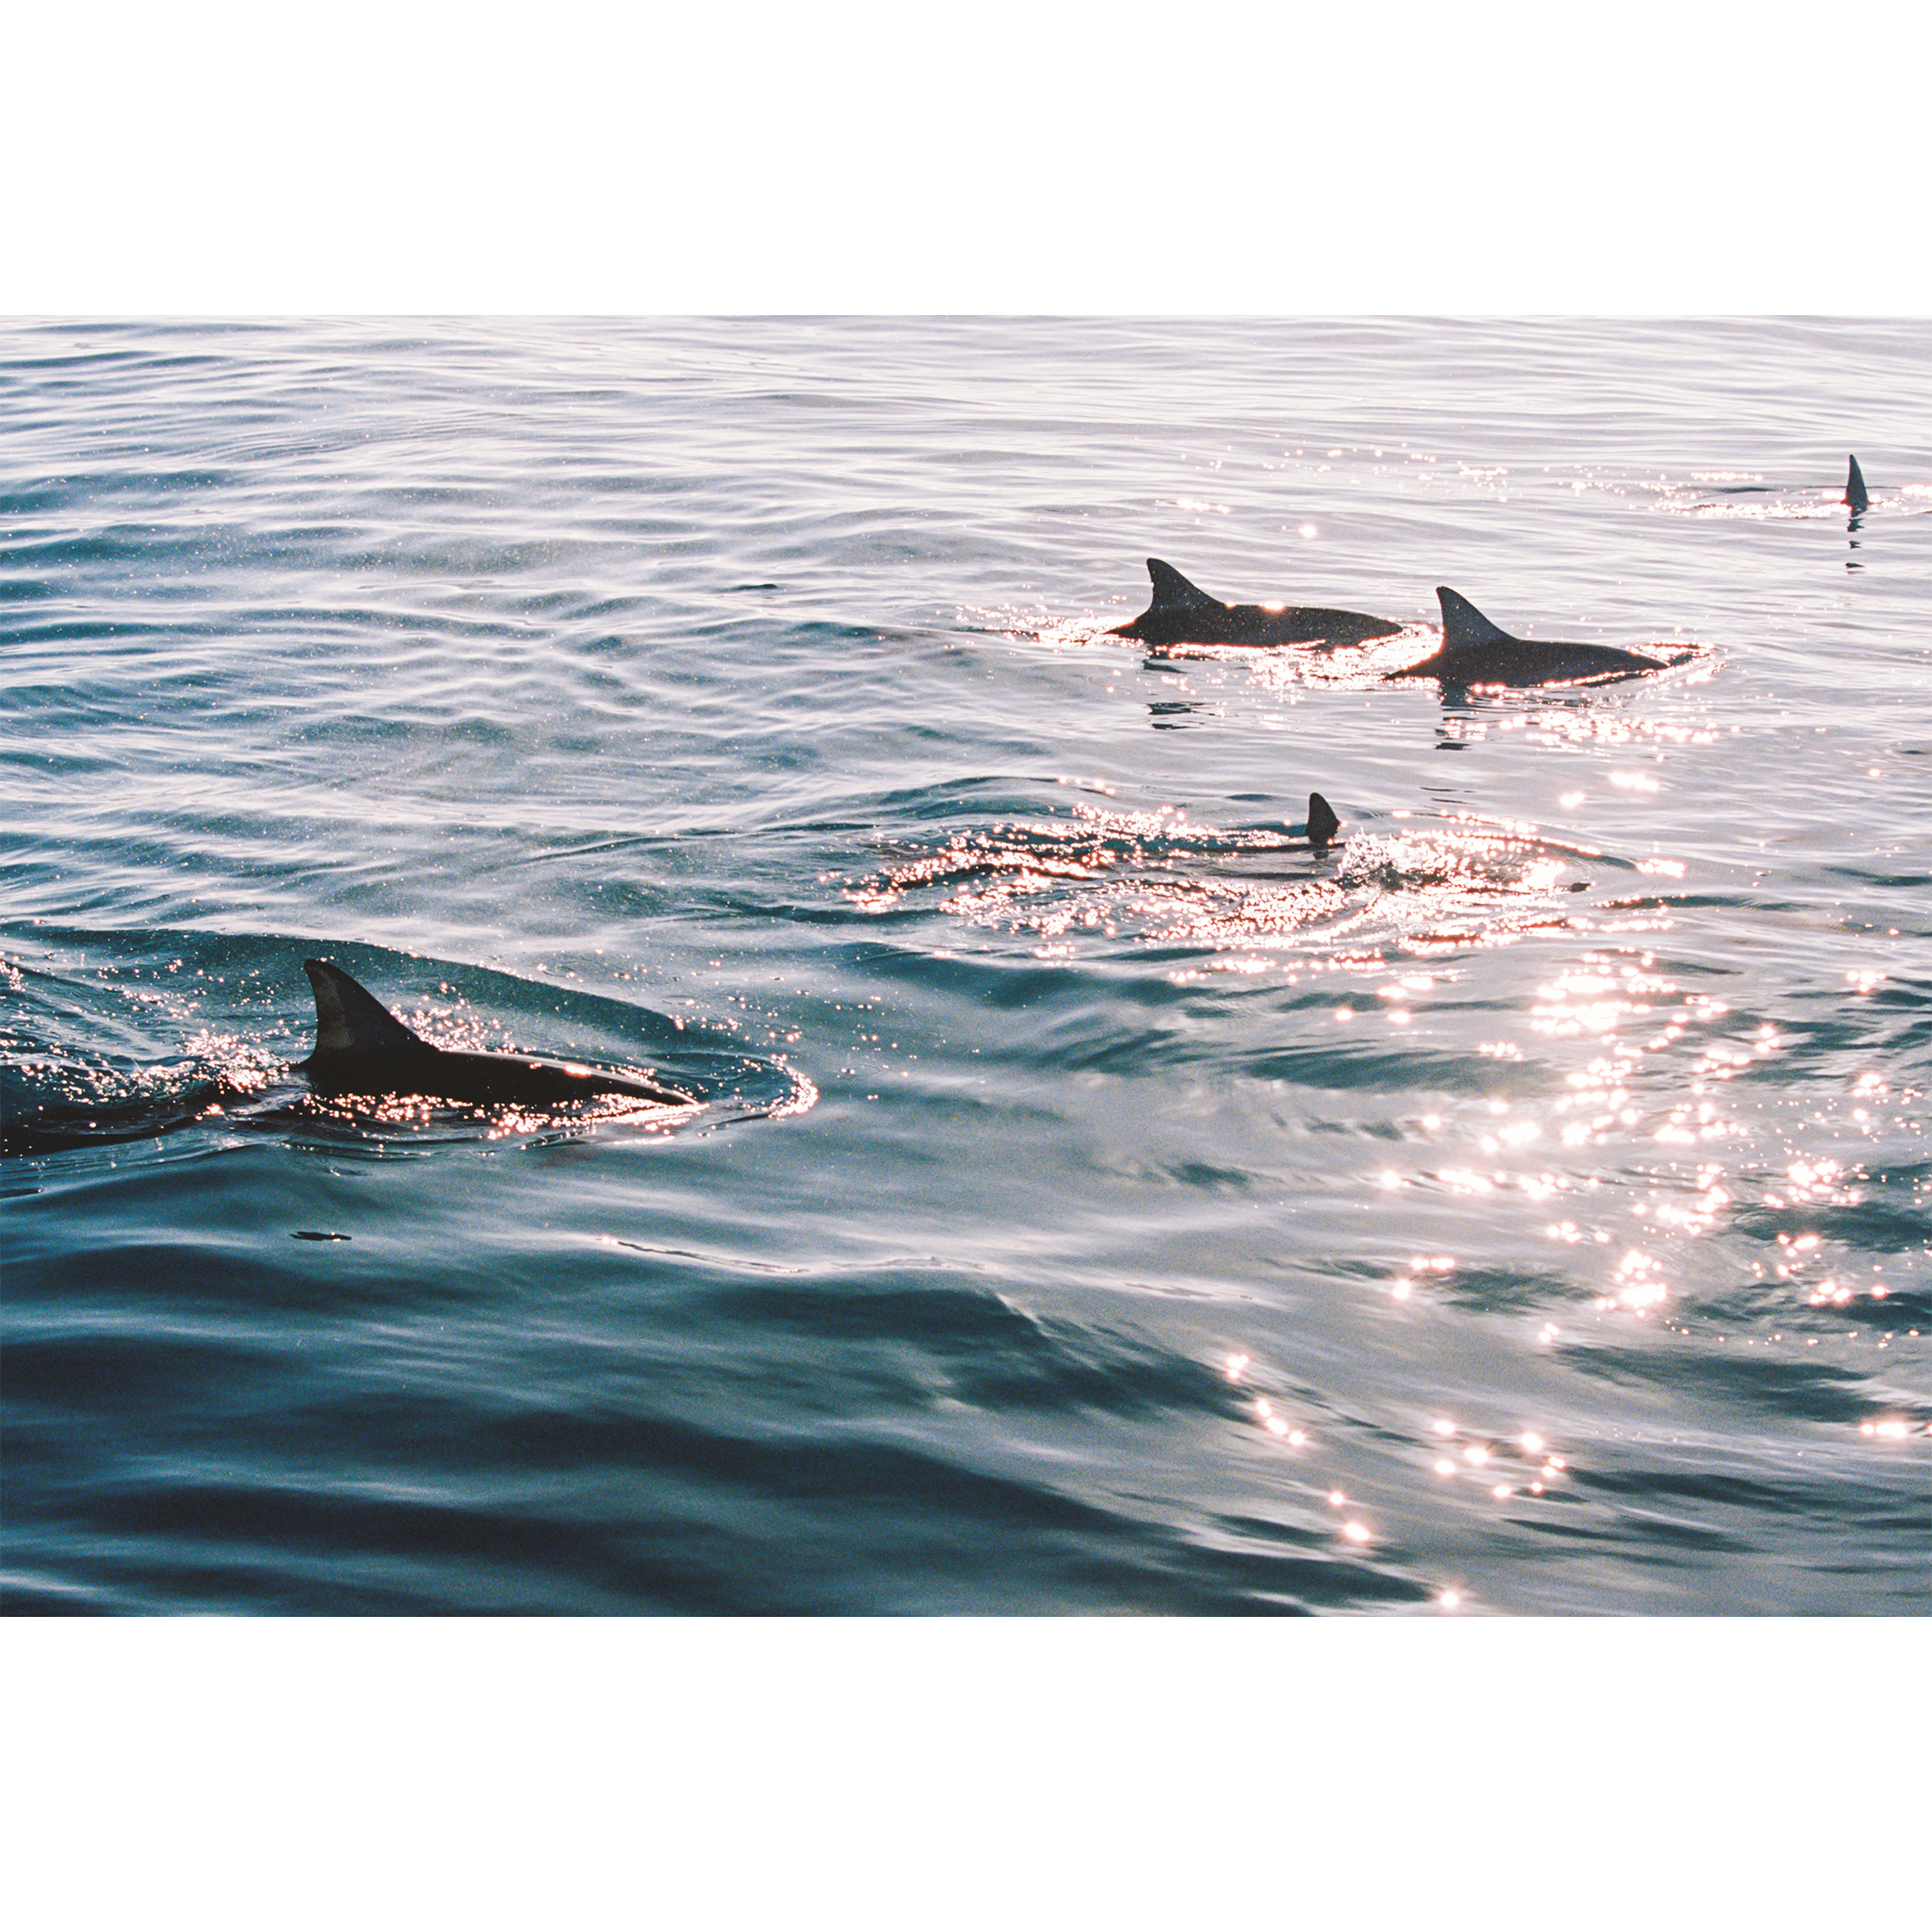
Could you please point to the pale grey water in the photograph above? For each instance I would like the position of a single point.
(733, 698)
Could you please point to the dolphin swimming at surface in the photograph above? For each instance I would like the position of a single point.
(360, 1048)
(1855, 499)
(1474, 651)
(1181, 614)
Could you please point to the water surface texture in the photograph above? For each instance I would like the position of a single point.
(1095, 1201)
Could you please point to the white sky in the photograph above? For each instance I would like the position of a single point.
(1017, 155)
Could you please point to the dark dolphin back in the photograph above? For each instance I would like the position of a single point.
(1475, 651)
(1182, 612)
(362, 1047)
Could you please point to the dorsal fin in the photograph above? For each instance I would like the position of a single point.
(1464, 627)
(349, 1018)
(1322, 824)
(1173, 592)
(1855, 491)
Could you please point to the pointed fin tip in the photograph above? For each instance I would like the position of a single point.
(1323, 823)
(1173, 592)
(1463, 624)
(1856, 495)
(348, 1016)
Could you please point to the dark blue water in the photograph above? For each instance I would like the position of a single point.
(1096, 1201)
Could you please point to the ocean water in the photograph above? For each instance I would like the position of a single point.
(1094, 1201)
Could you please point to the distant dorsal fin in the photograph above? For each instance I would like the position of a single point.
(1464, 627)
(1855, 491)
(1322, 824)
(1173, 592)
(349, 1018)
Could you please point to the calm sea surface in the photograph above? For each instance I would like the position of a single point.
(1096, 1201)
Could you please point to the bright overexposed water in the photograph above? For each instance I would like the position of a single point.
(1097, 1200)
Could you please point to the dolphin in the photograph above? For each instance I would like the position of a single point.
(1181, 614)
(362, 1047)
(1322, 824)
(1474, 651)
(1855, 499)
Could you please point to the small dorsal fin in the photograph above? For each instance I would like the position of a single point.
(349, 1018)
(1855, 491)
(1322, 824)
(1464, 627)
(1173, 592)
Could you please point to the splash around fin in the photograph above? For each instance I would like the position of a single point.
(1183, 613)
(362, 1047)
